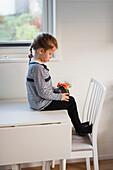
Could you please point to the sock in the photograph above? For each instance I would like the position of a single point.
(85, 123)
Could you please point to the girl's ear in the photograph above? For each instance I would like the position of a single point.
(41, 50)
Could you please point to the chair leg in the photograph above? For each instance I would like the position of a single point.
(88, 163)
(63, 164)
(53, 164)
(95, 160)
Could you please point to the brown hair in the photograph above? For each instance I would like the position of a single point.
(43, 40)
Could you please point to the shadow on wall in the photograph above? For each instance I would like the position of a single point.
(106, 119)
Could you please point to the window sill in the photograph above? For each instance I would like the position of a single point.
(14, 60)
(14, 50)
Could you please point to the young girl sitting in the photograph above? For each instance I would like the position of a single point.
(41, 94)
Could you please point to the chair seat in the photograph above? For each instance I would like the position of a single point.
(81, 142)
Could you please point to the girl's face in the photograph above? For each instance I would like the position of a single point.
(46, 56)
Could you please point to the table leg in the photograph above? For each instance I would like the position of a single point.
(15, 167)
(44, 165)
(63, 164)
(47, 165)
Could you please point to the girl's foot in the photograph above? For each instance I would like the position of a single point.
(84, 130)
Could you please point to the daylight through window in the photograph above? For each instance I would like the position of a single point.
(20, 20)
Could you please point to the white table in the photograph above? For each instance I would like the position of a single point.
(28, 136)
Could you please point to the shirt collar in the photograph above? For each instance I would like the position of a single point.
(35, 61)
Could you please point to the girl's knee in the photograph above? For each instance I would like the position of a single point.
(72, 100)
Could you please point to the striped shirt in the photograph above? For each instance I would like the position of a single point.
(40, 91)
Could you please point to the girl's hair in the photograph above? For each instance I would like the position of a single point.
(43, 40)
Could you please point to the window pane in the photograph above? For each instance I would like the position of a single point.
(20, 20)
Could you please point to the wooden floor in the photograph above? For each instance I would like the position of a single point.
(103, 165)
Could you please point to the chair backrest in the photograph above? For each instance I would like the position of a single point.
(93, 106)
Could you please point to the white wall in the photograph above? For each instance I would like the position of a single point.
(85, 36)
(12, 80)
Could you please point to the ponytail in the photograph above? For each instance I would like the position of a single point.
(30, 55)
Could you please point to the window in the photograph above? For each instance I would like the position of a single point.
(20, 21)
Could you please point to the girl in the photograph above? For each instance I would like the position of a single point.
(41, 94)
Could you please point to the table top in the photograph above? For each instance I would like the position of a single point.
(18, 113)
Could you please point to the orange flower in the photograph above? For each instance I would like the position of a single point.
(59, 84)
(65, 85)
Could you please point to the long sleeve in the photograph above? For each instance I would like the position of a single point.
(43, 84)
(55, 89)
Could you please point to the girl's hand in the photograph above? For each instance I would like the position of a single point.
(65, 96)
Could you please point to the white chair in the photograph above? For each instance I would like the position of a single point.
(86, 146)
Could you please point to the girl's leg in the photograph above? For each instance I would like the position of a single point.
(71, 107)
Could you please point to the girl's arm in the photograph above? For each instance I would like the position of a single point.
(55, 89)
(44, 86)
